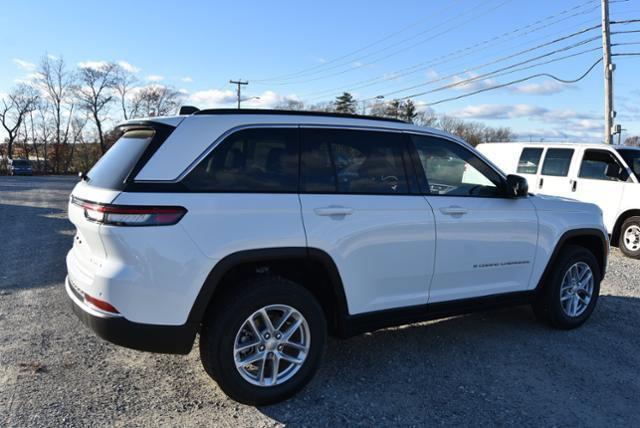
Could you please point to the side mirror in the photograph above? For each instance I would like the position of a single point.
(616, 172)
(517, 186)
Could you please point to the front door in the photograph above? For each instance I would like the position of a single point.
(486, 241)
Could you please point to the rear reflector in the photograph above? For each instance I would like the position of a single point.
(100, 304)
(126, 215)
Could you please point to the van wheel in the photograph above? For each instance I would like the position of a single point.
(263, 342)
(571, 291)
(629, 242)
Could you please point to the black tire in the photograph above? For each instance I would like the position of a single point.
(547, 305)
(227, 317)
(628, 223)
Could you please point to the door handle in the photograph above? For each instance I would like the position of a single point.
(454, 210)
(574, 185)
(333, 210)
(541, 183)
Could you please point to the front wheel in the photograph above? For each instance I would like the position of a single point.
(571, 290)
(630, 237)
(263, 342)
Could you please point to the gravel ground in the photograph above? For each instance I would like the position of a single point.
(493, 368)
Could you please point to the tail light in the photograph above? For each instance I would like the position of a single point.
(127, 215)
(100, 304)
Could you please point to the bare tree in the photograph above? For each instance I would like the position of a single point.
(96, 91)
(17, 104)
(57, 83)
(289, 104)
(155, 100)
(124, 85)
(632, 141)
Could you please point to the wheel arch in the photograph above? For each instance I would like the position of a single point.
(592, 239)
(615, 234)
(312, 268)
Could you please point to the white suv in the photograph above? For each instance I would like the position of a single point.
(605, 175)
(263, 231)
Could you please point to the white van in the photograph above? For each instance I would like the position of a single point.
(607, 176)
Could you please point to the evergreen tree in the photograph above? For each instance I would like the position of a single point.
(408, 111)
(345, 103)
(393, 109)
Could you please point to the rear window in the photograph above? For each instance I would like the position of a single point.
(529, 161)
(21, 163)
(557, 162)
(114, 166)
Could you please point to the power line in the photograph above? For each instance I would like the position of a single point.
(356, 51)
(492, 73)
(394, 53)
(513, 82)
(461, 52)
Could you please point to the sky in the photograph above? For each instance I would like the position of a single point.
(312, 51)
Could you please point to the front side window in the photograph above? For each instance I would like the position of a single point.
(529, 160)
(452, 170)
(352, 161)
(595, 163)
(250, 160)
(557, 162)
(632, 158)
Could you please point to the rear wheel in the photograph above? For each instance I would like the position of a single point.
(263, 343)
(629, 242)
(571, 290)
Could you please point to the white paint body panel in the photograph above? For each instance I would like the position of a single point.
(391, 251)
(384, 249)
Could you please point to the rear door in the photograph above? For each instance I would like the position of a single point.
(359, 207)
(486, 241)
(555, 176)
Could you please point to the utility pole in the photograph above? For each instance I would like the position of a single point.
(240, 83)
(609, 113)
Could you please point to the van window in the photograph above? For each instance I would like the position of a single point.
(452, 170)
(594, 165)
(350, 161)
(252, 160)
(557, 162)
(529, 160)
(632, 158)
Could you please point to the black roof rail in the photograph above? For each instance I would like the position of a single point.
(294, 113)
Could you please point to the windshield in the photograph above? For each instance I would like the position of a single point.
(20, 163)
(632, 158)
(114, 166)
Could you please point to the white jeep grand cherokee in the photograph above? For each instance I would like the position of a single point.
(263, 231)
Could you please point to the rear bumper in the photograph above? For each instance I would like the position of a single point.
(116, 329)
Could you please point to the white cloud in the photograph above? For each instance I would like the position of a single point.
(224, 98)
(93, 65)
(499, 111)
(187, 79)
(548, 87)
(25, 65)
(53, 57)
(473, 85)
(155, 78)
(127, 66)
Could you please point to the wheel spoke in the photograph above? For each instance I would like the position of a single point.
(262, 367)
(275, 364)
(253, 325)
(284, 319)
(287, 335)
(267, 320)
(296, 346)
(292, 360)
(565, 297)
(250, 359)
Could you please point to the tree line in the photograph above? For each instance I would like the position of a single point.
(62, 117)
(473, 132)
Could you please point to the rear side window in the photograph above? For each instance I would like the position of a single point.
(529, 160)
(112, 169)
(557, 162)
(351, 161)
(594, 165)
(251, 160)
